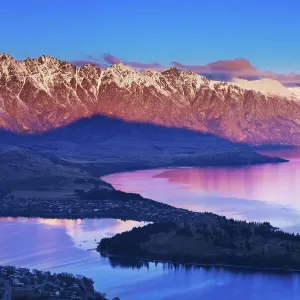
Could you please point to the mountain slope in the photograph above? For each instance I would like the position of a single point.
(46, 93)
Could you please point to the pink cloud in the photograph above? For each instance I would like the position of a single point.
(219, 70)
(238, 64)
(139, 65)
(239, 67)
(110, 59)
(80, 63)
(287, 79)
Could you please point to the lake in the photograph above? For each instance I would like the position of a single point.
(268, 192)
(262, 192)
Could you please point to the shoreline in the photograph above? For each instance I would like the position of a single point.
(226, 266)
(30, 211)
(136, 208)
(196, 163)
(126, 215)
(46, 285)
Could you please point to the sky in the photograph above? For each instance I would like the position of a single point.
(189, 32)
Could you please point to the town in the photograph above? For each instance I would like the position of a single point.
(22, 283)
(139, 209)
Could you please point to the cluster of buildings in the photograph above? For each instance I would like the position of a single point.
(32, 283)
(73, 207)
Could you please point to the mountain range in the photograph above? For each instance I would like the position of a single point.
(46, 93)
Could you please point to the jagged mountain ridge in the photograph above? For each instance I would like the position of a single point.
(46, 93)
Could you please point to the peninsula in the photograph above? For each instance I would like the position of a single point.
(217, 242)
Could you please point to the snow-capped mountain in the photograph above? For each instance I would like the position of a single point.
(269, 87)
(45, 93)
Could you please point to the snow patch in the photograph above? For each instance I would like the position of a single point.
(265, 86)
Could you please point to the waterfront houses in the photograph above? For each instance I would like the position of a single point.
(23, 283)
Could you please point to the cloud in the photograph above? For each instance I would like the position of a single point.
(145, 66)
(238, 64)
(110, 59)
(239, 67)
(224, 70)
(234, 65)
(80, 63)
(290, 79)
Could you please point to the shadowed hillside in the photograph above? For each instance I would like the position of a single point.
(111, 141)
(103, 129)
(110, 130)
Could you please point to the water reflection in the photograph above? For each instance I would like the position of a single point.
(37, 243)
(210, 283)
(268, 192)
(127, 263)
(54, 243)
(61, 245)
(59, 222)
(124, 262)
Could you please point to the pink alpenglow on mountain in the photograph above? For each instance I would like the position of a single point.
(46, 93)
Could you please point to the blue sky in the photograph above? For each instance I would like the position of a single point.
(264, 32)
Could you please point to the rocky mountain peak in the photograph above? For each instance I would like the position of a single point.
(5, 57)
(46, 92)
(173, 71)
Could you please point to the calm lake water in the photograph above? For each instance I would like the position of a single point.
(265, 192)
(269, 192)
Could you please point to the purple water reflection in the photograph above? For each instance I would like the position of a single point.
(59, 246)
(268, 192)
